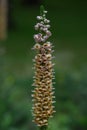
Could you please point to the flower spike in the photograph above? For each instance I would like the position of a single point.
(43, 94)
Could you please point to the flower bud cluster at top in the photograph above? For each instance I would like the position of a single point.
(43, 27)
(43, 93)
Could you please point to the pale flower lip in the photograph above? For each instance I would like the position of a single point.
(37, 46)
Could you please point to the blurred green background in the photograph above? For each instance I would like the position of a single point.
(69, 28)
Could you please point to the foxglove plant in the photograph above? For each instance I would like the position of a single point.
(43, 93)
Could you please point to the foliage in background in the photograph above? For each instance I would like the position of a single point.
(69, 35)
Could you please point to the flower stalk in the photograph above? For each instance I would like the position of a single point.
(43, 93)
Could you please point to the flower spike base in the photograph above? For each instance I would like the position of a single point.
(43, 93)
(43, 128)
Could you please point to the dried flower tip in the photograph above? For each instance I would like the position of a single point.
(48, 56)
(53, 96)
(45, 121)
(53, 101)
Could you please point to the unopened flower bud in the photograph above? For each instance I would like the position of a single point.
(42, 22)
(48, 26)
(45, 37)
(48, 33)
(46, 21)
(36, 27)
(44, 15)
(38, 37)
(45, 11)
(45, 29)
(39, 18)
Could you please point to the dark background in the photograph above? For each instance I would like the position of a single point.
(69, 29)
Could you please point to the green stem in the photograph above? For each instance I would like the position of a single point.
(41, 10)
(43, 128)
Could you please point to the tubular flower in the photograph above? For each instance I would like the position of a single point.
(43, 93)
